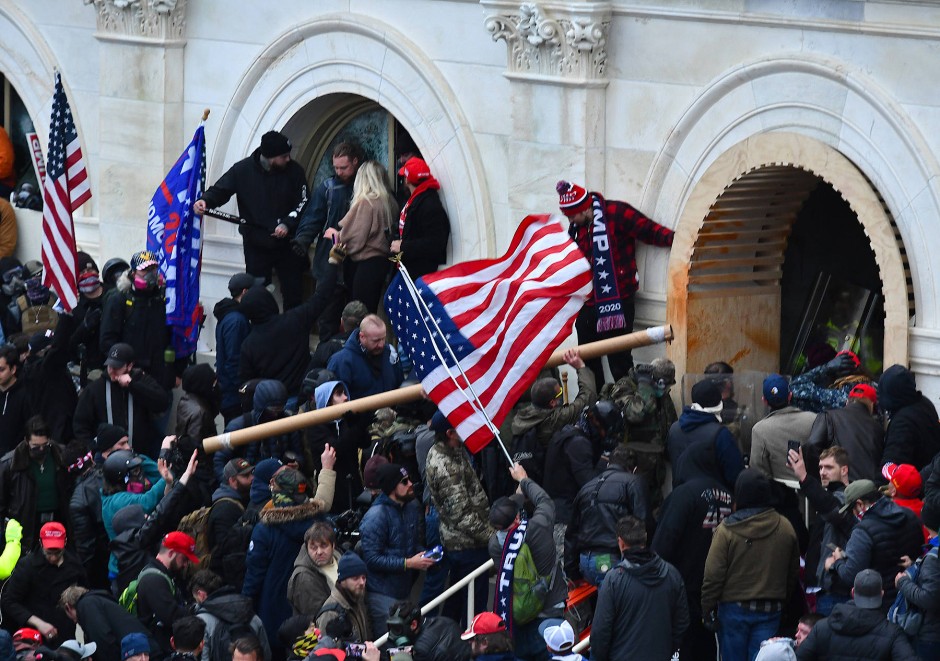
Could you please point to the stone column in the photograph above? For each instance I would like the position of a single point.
(556, 60)
(141, 126)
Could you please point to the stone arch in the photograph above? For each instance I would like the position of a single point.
(27, 61)
(792, 163)
(356, 54)
(835, 105)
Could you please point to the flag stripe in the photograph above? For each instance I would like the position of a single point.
(65, 189)
(502, 317)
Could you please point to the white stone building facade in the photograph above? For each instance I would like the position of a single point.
(679, 106)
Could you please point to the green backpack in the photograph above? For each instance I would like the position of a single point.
(128, 598)
(529, 589)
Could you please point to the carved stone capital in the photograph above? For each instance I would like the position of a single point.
(149, 20)
(568, 42)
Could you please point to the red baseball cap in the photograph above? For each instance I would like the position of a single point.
(904, 477)
(181, 543)
(864, 391)
(484, 623)
(27, 635)
(52, 535)
(415, 170)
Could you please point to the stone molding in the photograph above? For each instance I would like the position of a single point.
(163, 21)
(564, 42)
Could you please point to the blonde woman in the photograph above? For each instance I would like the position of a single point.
(366, 232)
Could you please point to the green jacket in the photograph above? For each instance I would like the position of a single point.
(754, 555)
(550, 421)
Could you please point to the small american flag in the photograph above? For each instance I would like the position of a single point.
(66, 189)
(502, 318)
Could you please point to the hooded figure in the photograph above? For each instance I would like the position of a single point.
(700, 501)
(269, 400)
(754, 556)
(347, 436)
(913, 434)
(277, 347)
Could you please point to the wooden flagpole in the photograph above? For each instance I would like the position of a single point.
(655, 335)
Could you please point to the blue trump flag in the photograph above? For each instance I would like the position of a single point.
(174, 234)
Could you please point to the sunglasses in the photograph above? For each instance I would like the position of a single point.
(406, 480)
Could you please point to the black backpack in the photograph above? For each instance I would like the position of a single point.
(224, 634)
(231, 551)
(528, 451)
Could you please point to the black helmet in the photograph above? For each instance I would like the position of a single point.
(609, 416)
(112, 269)
(119, 464)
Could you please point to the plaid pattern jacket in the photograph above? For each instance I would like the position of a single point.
(625, 225)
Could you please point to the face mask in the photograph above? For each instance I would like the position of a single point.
(268, 415)
(147, 280)
(139, 487)
(38, 453)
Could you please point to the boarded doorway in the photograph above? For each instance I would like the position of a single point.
(725, 298)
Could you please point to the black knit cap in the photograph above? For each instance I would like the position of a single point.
(274, 143)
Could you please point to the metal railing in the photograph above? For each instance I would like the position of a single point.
(465, 582)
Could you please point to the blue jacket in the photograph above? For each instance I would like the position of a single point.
(230, 331)
(697, 427)
(110, 505)
(351, 366)
(390, 534)
(270, 561)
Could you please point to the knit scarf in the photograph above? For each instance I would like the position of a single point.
(428, 184)
(502, 602)
(606, 292)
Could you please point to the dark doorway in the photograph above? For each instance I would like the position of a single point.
(829, 261)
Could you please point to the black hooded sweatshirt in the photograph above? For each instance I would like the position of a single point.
(278, 345)
(641, 605)
(913, 434)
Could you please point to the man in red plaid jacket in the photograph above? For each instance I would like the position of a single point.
(606, 231)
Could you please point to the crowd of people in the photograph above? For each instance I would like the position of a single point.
(327, 541)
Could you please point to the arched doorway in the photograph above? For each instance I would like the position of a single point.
(725, 298)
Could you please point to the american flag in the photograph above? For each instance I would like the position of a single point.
(66, 189)
(502, 318)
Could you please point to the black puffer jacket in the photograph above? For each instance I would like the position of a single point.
(47, 378)
(913, 434)
(598, 506)
(641, 605)
(265, 198)
(886, 532)
(853, 633)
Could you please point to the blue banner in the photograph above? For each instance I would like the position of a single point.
(174, 233)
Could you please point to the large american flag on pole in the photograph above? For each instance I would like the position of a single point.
(501, 318)
(66, 189)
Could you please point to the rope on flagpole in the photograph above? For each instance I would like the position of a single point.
(475, 403)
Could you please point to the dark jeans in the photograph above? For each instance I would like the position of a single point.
(288, 266)
(741, 631)
(366, 280)
(586, 325)
(462, 563)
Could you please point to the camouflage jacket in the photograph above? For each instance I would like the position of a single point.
(459, 498)
(647, 417)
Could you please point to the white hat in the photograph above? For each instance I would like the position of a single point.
(84, 651)
(559, 638)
